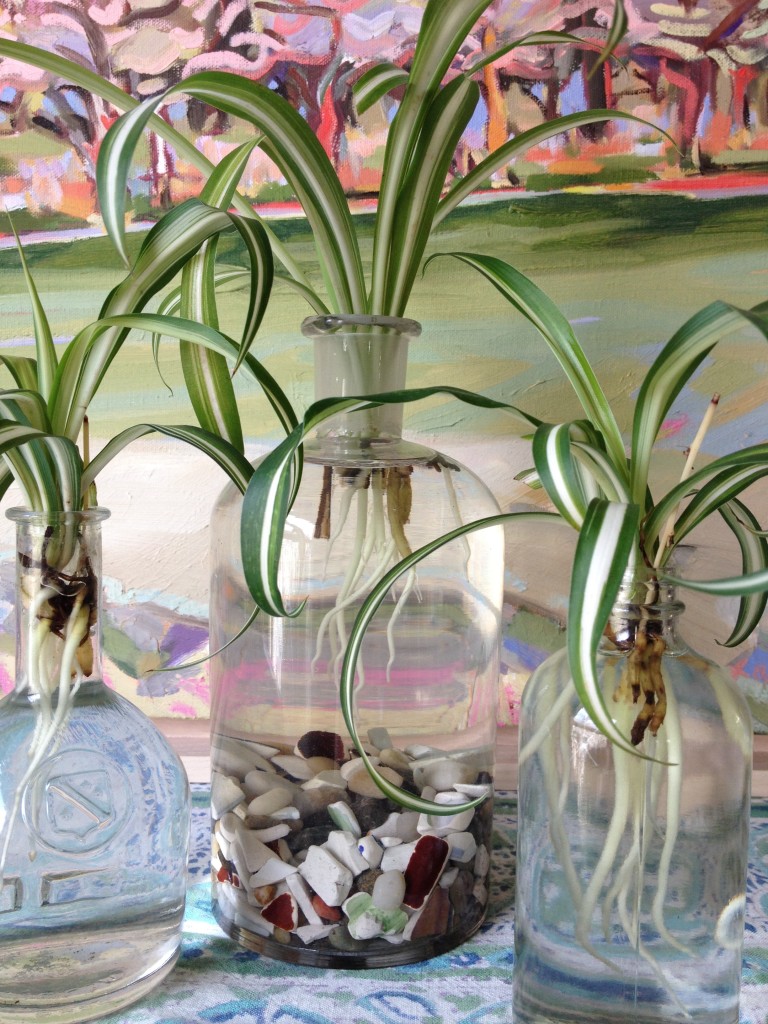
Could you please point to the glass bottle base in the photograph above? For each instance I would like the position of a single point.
(366, 957)
(76, 977)
(528, 1010)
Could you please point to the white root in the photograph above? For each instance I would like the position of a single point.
(410, 583)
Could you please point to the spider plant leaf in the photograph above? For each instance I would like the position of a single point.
(547, 37)
(754, 558)
(558, 473)
(206, 374)
(225, 455)
(186, 148)
(51, 483)
(616, 32)
(448, 117)
(270, 493)
(25, 406)
(539, 309)
(602, 471)
(201, 334)
(604, 548)
(164, 252)
(306, 292)
(716, 493)
(504, 154)
(444, 27)
(23, 370)
(732, 472)
(291, 144)
(368, 609)
(44, 347)
(671, 370)
(376, 82)
(730, 586)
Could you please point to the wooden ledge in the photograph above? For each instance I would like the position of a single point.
(189, 738)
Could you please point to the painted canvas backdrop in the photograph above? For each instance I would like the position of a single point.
(628, 232)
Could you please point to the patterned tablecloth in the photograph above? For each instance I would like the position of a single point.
(215, 981)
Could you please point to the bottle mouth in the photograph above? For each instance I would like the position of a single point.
(340, 323)
(97, 514)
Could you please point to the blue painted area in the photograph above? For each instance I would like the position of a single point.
(518, 654)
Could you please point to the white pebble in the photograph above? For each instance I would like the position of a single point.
(396, 857)
(343, 846)
(388, 890)
(225, 794)
(272, 800)
(274, 870)
(294, 766)
(326, 876)
(371, 849)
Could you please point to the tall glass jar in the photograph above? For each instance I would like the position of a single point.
(632, 870)
(311, 863)
(93, 803)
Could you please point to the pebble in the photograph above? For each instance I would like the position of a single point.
(371, 849)
(258, 782)
(319, 743)
(360, 782)
(226, 794)
(388, 890)
(282, 912)
(331, 880)
(272, 800)
(424, 868)
(343, 816)
(343, 846)
(293, 766)
(310, 847)
(325, 778)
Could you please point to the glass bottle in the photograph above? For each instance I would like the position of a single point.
(302, 838)
(93, 803)
(631, 874)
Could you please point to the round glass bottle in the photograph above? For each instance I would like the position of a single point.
(305, 865)
(94, 804)
(631, 874)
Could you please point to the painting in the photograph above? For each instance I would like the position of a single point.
(630, 230)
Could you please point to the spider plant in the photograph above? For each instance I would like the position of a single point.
(439, 96)
(44, 440)
(606, 491)
(597, 484)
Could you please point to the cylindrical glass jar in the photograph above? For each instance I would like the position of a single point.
(311, 863)
(94, 804)
(631, 870)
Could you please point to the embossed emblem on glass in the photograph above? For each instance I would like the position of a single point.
(74, 810)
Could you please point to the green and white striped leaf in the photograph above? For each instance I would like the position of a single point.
(558, 472)
(503, 156)
(200, 334)
(51, 483)
(754, 558)
(548, 37)
(732, 473)
(270, 493)
(233, 462)
(44, 348)
(727, 586)
(164, 252)
(541, 311)
(206, 374)
(607, 540)
(23, 370)
(448, 118)
(444, 27)
(363, 619)
(288, 140)
(186, 148)
(375, 83)
(670, 372)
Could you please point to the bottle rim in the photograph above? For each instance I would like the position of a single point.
(96, 514)
(338, 323)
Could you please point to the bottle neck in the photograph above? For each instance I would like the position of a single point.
(357, 356)
(644, 607)
(58, 601)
